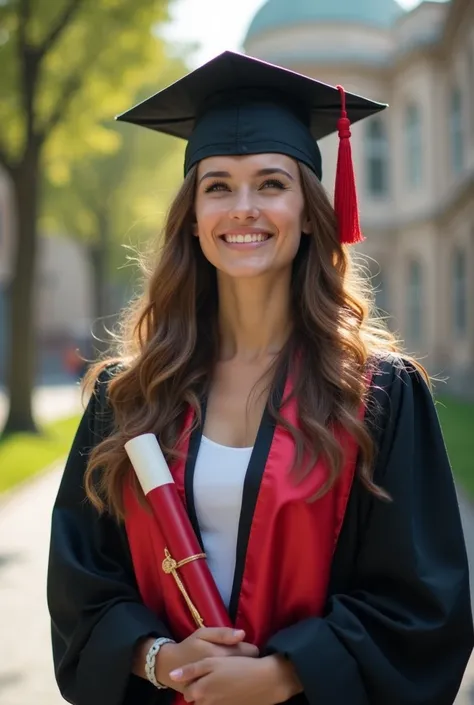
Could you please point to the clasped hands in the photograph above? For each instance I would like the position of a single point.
(215, 666)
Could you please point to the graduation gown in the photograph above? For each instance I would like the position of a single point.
(395, 626)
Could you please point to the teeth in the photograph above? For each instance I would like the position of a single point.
(258, 237)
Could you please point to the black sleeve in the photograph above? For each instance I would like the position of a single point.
(402, 633)
(96, 612)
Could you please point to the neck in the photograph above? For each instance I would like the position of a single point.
(254, 316)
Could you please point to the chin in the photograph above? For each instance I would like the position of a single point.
(244, 272)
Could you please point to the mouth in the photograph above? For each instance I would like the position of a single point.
(245, 238)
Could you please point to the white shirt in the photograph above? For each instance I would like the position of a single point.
(219, 477)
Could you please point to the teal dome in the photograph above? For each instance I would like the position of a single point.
(277, 14)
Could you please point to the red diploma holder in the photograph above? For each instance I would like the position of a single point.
(183, 559)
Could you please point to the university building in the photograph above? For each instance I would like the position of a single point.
(414, 162)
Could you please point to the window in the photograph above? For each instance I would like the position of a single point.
(377, 158)
(459, 289)
(414, 302)
(414, 145)
(456, 130)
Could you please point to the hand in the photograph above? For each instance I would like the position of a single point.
(224, 681)
(219, 642)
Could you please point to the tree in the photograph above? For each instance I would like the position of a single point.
(108, 200)
(67, 66)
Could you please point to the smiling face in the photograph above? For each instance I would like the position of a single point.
(249, 213)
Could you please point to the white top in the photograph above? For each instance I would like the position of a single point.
(219, 477)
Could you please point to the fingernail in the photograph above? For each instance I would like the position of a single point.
(177, 673)
(238, 632)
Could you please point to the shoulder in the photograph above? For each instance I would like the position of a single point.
(399, 386)
(104, 375)
(402, 418)
(99, 409)
(100, 375)
(391, 371)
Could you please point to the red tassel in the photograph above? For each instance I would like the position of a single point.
(345, 195)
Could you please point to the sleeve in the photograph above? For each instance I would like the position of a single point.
(96, 612)
(403, 631)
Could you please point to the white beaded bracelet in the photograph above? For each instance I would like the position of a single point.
(151, 660)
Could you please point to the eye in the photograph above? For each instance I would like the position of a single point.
(216, 186)
(273, 183)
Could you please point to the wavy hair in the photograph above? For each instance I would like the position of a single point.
(168, 345)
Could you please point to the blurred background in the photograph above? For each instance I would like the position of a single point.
(80, 192)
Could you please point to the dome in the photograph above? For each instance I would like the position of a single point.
(277, 14)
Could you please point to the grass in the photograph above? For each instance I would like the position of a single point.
(457, 420)
(22, 455)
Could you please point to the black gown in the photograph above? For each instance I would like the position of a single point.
(397, 628)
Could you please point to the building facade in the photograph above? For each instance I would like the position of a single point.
(414, 162)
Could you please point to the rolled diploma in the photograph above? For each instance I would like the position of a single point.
(149, 462)
(158, 485)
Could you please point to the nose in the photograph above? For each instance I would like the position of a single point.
(244, 206)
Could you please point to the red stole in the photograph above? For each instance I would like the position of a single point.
(285, 545)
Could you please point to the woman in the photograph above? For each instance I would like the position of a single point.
(306, 449)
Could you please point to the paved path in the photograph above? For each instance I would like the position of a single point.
(49, 403)
(26, 676)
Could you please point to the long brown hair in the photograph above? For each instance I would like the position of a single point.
(168, 345)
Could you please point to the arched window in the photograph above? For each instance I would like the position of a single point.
(414, 302)
(377, 158)
(456, 131)
(414, 145)
(459, 290)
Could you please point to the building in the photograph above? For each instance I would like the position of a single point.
(414, 162)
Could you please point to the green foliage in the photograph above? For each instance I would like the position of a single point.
(127, 191)
(89, 58)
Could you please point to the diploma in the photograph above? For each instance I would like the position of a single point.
(183, 559)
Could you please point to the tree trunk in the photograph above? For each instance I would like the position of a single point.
(21, 338)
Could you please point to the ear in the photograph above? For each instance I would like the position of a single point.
(306, 226)
(195, 230)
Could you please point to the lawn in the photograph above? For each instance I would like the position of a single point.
(24, 454)
(457, 420)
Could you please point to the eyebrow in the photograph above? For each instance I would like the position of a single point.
(261, 172)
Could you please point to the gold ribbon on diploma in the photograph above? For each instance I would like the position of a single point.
(171, 567)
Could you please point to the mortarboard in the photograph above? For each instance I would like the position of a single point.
(238, 105)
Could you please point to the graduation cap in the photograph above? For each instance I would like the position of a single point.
(239, 105)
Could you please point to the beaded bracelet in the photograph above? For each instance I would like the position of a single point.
(151, 660)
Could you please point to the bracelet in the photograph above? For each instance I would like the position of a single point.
(151, 661)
